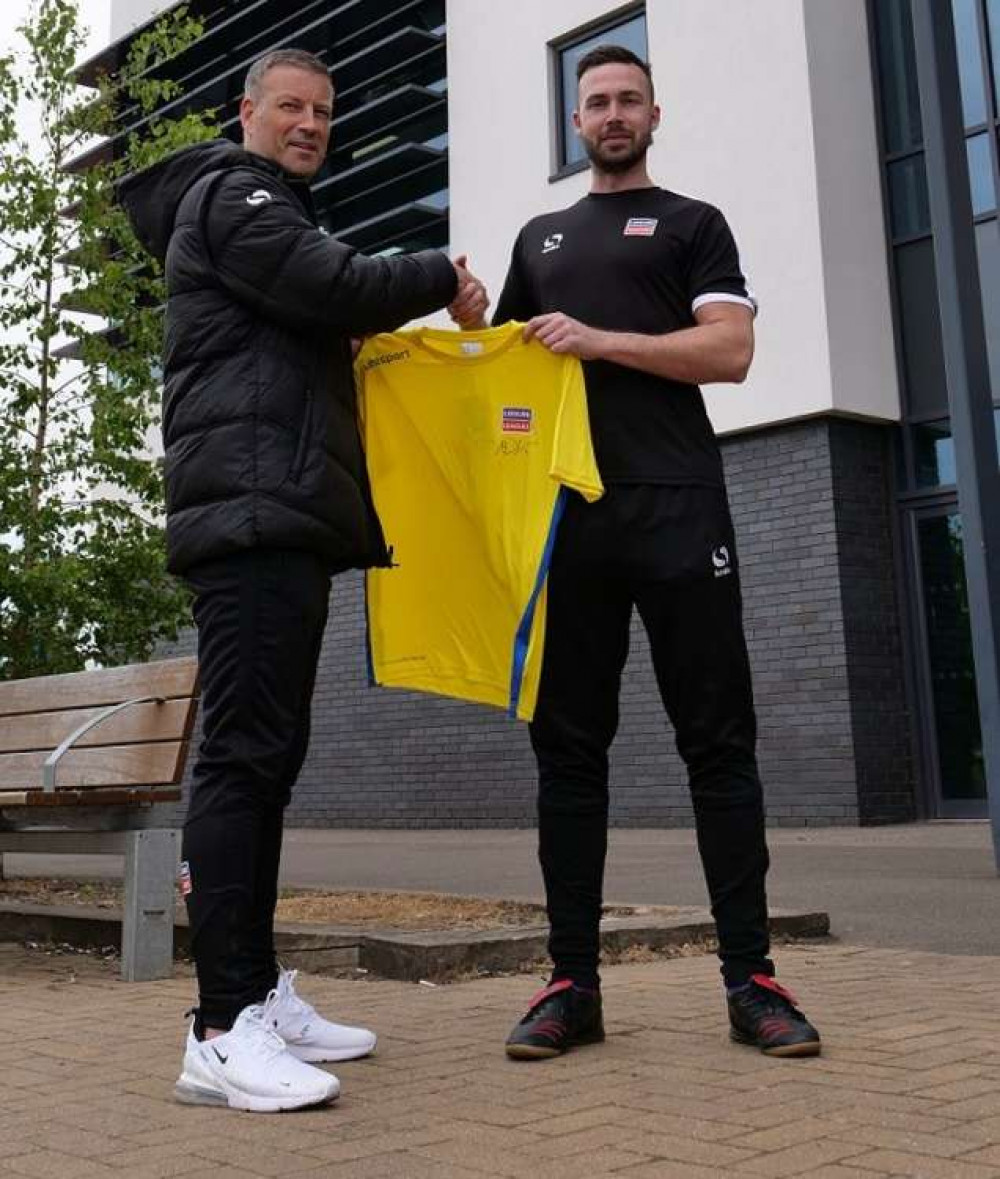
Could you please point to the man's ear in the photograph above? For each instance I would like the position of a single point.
(656, 117)
(246, 112)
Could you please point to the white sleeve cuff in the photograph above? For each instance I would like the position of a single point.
(722, 297)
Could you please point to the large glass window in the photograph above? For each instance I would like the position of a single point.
(908, 197)
(970, 61)
(934, 452)
(977, 41)
(984, 195)
(897, 76)
(919, 319)
(949, 653)
(629, 30)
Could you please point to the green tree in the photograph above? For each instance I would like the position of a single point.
(82, 575)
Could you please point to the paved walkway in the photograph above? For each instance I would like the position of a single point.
(909, 1083)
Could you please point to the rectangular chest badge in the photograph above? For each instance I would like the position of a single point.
(516, 421)
(641, 226)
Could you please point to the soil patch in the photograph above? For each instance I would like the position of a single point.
(412, 912)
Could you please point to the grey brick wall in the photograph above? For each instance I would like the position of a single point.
(812, 505)
(872, 610)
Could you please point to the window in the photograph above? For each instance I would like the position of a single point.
(625, 28)
(934, 452)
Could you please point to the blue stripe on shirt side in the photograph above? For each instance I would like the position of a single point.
(523, 635)
(369, 657)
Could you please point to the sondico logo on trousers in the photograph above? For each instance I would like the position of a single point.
(722, 563)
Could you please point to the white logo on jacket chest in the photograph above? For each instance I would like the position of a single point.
(552, 242)
(259, 197)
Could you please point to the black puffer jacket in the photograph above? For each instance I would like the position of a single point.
(259, 421)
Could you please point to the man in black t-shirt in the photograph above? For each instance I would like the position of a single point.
(646, 287)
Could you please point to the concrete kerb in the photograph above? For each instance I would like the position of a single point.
(436, 956)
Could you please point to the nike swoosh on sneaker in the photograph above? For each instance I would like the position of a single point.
(222, 1059)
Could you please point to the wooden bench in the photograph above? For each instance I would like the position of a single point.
(83, 759)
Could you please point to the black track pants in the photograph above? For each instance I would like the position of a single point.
(260, 617)
(669, 553)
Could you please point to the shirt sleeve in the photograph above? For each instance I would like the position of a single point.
(715, 273)
(574, 463)
(516, 299)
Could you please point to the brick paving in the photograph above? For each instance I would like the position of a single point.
(909, 1083)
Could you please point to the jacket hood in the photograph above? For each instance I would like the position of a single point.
(152, 197)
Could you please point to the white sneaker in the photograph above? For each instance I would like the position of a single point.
(250, 1068)
(307, 1034)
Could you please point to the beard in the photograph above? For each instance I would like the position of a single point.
(614, 165)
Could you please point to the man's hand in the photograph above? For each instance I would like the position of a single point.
(559, 333)
(468, 309)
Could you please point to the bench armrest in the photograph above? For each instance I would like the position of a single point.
(52, 761)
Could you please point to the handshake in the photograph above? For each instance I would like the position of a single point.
(468, 309)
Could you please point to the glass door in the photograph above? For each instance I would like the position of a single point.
(952, 739)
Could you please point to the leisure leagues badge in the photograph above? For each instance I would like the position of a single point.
(516, 421)
(640, 226)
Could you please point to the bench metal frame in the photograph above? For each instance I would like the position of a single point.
(54, 758)
(151, 855)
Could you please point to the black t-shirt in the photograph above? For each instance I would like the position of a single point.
(637, 261)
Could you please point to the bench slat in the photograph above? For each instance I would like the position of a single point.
(170, 678)
(113, 765)
(170, 721)
(65, 798)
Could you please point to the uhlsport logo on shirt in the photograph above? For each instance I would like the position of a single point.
(385, 358)
(640, 226)
(516, 420)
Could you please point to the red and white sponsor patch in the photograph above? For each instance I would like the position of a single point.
(184, 879)
(516, 421)
(641, 226)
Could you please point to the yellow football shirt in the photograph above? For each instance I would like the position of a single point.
(472, 440)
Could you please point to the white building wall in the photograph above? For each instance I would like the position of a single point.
(127, 14)
(768, 113)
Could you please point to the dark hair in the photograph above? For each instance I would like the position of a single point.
(298, 58)
(613, 55)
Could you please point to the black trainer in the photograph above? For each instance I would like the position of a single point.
(766, 1016)
(558, 1017)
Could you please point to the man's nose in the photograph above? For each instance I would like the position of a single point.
(310, 122)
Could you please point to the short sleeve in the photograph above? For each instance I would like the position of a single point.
(574, 463)
(715, 270)
(516, 301)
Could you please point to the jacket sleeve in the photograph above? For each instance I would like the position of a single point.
(269, 255)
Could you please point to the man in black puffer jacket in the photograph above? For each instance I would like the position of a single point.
(267, 497)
